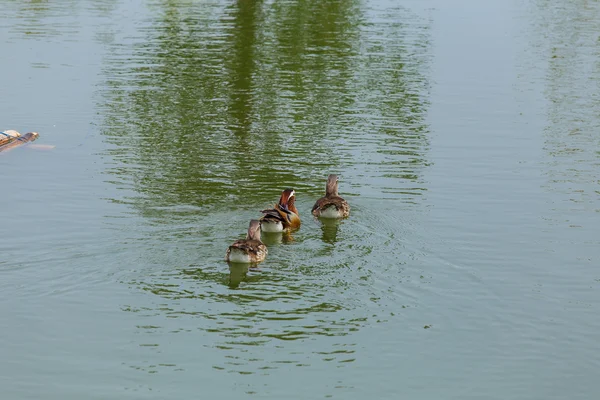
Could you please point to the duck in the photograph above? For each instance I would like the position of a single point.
(331, 205)
(250, 250)
(284, 216)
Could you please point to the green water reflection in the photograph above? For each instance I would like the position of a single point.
(570, 46)
(219, 105)
(212, 110)
(480, 252)
(41, 20)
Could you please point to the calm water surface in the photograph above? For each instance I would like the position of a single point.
(467, 140)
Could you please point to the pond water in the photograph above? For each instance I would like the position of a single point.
(467, 139)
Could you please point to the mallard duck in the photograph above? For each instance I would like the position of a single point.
(332, 205)
(249, 250)
(284, 216)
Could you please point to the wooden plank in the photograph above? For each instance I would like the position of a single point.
(18, 140)
(8, 136)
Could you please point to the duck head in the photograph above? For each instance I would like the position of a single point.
(331, 189)
(287, 199)
(253, 230)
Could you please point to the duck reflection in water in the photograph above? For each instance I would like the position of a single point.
(330, 227)
(275, 238)
(238, 273)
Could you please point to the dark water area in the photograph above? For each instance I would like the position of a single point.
(466, 138)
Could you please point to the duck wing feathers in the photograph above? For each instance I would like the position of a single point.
(248, 245)
(336, 201)
(277, 214)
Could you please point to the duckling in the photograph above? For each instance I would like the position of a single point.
(249, 250)
(284, 216)
(332, 205)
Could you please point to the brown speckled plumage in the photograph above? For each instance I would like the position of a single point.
(251, 248)
(324, 207)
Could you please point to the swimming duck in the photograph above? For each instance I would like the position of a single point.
(284, 216)
(249, 250)
(332, 205)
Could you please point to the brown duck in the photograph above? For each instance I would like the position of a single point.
(332, 205)
(284, 216)
(249, 250)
